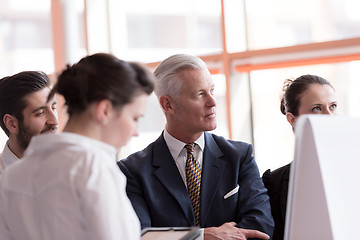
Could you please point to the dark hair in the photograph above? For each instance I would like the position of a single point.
(293, 89)
(14, 88)
(102, 76)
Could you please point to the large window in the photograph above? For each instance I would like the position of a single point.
(250, 46)
(279, 23)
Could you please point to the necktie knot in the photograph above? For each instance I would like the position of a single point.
(190, 148)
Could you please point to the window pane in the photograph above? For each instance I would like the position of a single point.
(280, 23)
(150, 31)
(25, 36)
(273, 135)
(241, 107)
(235, 25)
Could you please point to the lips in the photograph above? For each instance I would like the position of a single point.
(211, 115)
(50, 129)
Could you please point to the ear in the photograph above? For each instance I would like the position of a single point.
(104, 110)
(167, 103)
(11, 123)
(291, 118)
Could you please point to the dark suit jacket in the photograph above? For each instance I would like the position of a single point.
(160, 198)
(277, 184)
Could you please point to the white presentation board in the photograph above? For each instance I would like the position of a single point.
(324, 187)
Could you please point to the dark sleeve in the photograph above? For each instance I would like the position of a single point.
(276, 183)
(272, 184)
(254, 206)
(136, 196)
(284, 191)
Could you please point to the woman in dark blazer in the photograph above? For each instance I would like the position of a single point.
(307, 94)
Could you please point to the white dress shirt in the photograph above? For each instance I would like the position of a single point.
(66, 187)
(179, 153)
(7, 157)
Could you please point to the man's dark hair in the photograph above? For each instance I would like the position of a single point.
(13, 90)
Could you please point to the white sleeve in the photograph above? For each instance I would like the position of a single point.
(107, 209)
(1, 164)
(201, 236)
(4, 230)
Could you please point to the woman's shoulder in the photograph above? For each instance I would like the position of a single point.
(282, 172)
(273, 179)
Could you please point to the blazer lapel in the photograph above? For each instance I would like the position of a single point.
(213, 169)
(168, 174)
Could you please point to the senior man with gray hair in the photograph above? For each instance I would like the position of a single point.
(189, 177)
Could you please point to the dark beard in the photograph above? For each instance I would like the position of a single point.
(24, 136)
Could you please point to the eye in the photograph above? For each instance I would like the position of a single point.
(333, 107)
(212, 91)
(137, 118)
(54, 107)
(198, 95)
(39, 113)
(316, 109)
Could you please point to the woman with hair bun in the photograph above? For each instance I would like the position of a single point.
(68, 185)
(307, 94)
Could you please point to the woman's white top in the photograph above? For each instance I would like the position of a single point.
(67, 186)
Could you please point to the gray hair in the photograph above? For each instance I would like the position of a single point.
(167, 81)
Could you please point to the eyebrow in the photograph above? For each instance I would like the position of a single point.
(320, 104)
(206, 89)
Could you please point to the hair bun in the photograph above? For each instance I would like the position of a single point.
(287, 84)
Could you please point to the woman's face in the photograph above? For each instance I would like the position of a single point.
(317, 99)
(125, 122)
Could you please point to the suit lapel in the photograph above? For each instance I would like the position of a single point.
(168, 174)
(213, 169)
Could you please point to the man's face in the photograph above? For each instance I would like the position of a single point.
(39, 116)
(195, 105)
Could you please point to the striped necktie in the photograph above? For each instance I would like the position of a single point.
(193, 180)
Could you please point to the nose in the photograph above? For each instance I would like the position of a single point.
(52, 117)
(136, 131)
(211, 101)
(328, 112)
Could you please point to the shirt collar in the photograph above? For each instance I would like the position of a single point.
(7, 157)
(175, 146)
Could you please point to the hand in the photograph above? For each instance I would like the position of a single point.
(229, 231)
